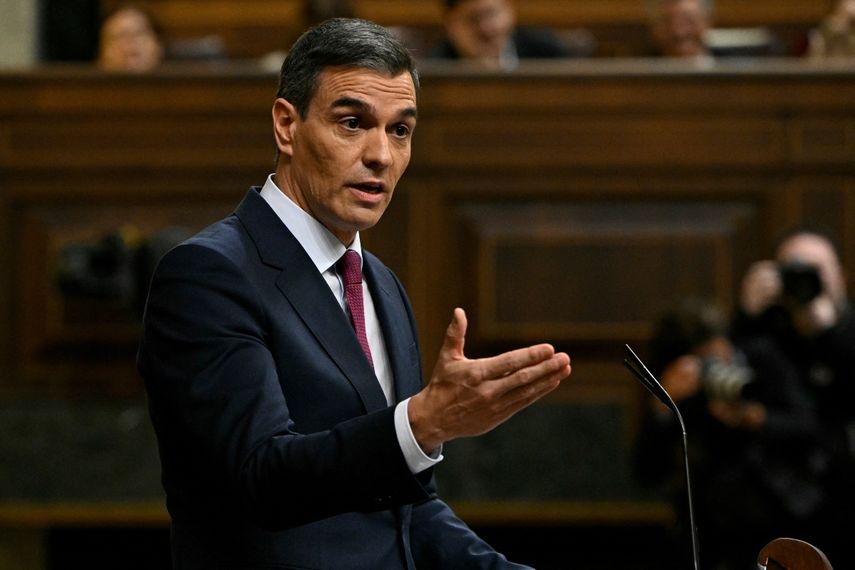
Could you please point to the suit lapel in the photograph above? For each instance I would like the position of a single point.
(396, 325)
(311, 298)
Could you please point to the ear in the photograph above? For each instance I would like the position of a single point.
(285, 118)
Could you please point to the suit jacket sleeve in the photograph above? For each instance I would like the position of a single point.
(224, 427)
(439, 539)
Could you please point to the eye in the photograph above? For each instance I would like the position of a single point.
(350, 123)
(402, 131)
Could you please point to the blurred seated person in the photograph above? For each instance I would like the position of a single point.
(317, 11)
(835, 36)
(679, 28)
(314, 12)
(799, 301)
(129, 40)
(751, 434)
(485, 31)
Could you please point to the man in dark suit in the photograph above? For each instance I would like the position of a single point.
(486, 31)
(286, 389)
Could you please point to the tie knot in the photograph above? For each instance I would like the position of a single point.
(350, 267)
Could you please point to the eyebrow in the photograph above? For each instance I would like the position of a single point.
(354, 103)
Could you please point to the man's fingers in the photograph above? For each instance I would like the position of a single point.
(455, 335)
(557, 367)
(510, 362)
(525, 395)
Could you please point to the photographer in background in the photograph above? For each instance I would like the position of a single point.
(799, 302)
(751, 434)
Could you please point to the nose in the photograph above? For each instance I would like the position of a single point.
(488, 24)
(377, 153)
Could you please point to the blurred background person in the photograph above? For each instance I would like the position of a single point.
(751, 434)
(679, 28)
(69, 30)
(835, 36)
(799, 302)
(316, 11)
(129, 40)
(486, 31)
(684, 29)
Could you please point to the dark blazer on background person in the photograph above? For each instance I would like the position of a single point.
(275, 437)
(528, 43)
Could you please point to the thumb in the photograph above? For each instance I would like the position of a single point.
(455, 336)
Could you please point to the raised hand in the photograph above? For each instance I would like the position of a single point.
(761, 287)
(469, 397)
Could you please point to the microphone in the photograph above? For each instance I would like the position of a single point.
(640, 371)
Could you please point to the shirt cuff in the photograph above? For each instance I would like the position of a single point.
(416, 459)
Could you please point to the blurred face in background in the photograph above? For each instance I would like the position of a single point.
(680, 27)
(814, 250)
(480, 29)
(129, 42)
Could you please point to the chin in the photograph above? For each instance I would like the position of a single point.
(361, 224)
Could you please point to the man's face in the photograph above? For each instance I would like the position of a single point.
(480, 29)
(815, 251)
(341, 162)
(680, 28)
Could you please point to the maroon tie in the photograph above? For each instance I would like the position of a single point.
(350, 269)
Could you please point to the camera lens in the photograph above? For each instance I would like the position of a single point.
(724, 381)
(800, 282)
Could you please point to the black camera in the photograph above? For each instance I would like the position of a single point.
(800, 282)
(116, 268)
(725, 380)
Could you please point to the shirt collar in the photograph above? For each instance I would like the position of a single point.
(320, 244)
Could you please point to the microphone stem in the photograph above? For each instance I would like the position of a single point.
(695, 551)
(649, 381)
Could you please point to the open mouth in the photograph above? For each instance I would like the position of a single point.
(370, 188)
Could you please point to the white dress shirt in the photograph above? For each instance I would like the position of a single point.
(324, 249)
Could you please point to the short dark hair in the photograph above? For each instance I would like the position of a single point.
(349, 42)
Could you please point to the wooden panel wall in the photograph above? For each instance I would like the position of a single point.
(650, 185)
(567, 203)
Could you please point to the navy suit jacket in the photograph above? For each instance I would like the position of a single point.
(277, 445)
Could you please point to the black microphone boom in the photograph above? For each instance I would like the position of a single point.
(640, 371)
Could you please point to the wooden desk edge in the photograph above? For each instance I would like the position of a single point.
(153, 514)
(81, 514)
